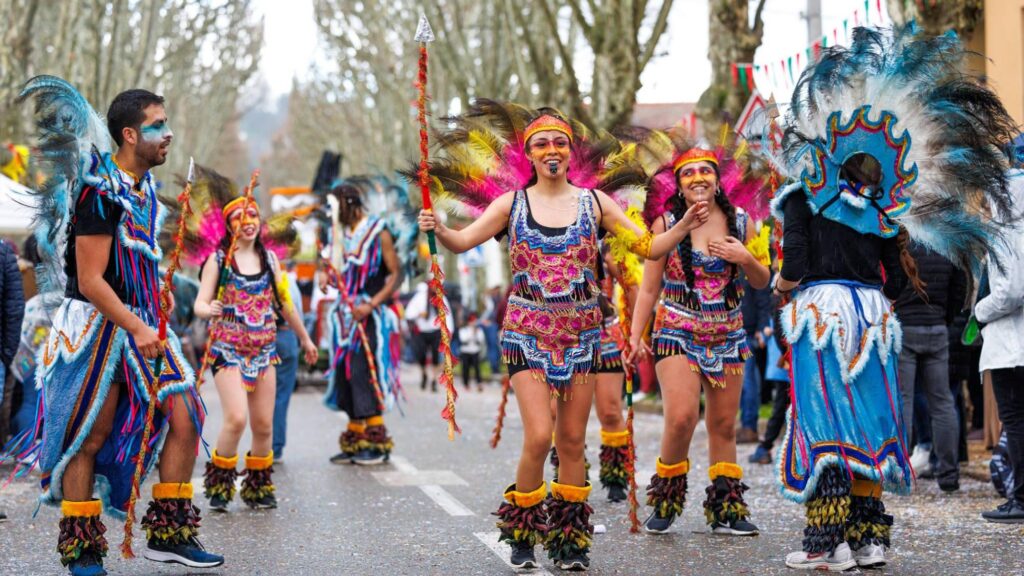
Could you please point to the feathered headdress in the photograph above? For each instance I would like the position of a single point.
(70, 132)
(483, 155)
(388, 199)
(893, 132)
(663, 153)
(206, 226)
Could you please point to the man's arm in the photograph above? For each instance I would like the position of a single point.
(92, 254)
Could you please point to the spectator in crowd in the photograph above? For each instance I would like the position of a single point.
(1001, 312)
(474, 343)
(421, 315)
(924, 359)
(12, 310)
(490, 325)
(776, 375)
(757, 311)
(288, 352)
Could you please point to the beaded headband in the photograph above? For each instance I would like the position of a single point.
(547, 122)
(238, 204)
(694, 155)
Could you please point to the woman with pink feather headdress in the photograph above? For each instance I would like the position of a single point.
(245, 295)
(534, 176)
(699, 340)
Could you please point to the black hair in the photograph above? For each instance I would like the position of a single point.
(128, 111)
(30, 250)
(677, 206)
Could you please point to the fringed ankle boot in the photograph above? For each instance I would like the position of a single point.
(378, 445)
(828, 510)
(258, 486)
(172, 528)
(522, 520)
(351, 441)
(724, 508)
(81, 542)
(667, 495)
(219, 481)
(614, 474)
(570, 532)
(868, 527)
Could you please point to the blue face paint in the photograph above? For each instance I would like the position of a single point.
(156, 132)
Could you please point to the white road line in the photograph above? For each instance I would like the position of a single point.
(490, 539)
(402, 465)
(445, 500)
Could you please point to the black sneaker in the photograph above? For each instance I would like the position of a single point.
(739, 527)
(218, 503)
(522, 555)
(191, 554)
(342, 458)
(369, 457)
(657, 524)
(1012, 512)
(267, 502)
(87, 565)
(575, 563)
(616, 493)
(949, 485)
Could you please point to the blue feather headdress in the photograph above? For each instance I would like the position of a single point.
(937, 133)
(70, 132)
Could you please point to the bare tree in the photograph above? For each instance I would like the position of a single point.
(733, 38)
(938, 17)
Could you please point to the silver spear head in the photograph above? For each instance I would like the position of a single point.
(423, 31)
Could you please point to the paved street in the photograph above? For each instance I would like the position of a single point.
(428, 512)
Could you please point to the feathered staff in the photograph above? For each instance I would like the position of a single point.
(222, 282)
(165, 293)
(424, 35)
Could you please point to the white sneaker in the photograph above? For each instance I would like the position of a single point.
(870, 556)
(920, 460)
(840, 559)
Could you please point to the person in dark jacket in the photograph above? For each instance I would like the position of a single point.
(924, 360)
(12, 311)
(756, 306)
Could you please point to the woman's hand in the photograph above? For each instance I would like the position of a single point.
(695, 216)
(309, 351)
(216, 308)
(731, 250)
(638, 350)
(428, 221)
(361, 311)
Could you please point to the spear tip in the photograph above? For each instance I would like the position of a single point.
(191, 170)
(423, 31)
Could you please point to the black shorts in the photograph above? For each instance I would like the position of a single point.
(428, 345)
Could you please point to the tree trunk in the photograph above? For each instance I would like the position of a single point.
(936, 17)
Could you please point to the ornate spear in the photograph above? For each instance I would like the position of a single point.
(154, 387)
(226, 271)
(424, 35)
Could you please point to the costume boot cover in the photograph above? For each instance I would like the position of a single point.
(570, 532)
(258, 483)
(377, 435)
(868, 523)
(614, 458)
(353, 439)
(220, 475)
(171, 519)
(667, 490)
(521, 518)
(81, 531)
(724, 503)
(827, 512)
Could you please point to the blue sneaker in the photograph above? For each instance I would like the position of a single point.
(760, 456)
(191, 554)
(87, 565)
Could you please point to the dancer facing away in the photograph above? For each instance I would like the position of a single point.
(552, 327)
(699, 343)
(898, 144)
(243, 326)
(96, 368)
(364, 329)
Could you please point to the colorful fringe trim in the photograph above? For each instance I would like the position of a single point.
(219, 477)
(377, 439)
(570, 532)
(827, 512)
(81, 531)
(724, 503)
(667, 490)
(258, 483)
(868, 523)
(353, 439)
(174, 521)
(522, 518)
(614, 459)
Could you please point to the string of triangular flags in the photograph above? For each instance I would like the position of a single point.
(781, 74)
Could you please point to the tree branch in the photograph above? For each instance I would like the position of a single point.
(656, 31)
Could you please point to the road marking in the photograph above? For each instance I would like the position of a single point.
(428, 481)
(445, 500)
(502, 550)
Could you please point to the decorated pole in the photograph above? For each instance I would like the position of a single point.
(154, 386)
(425, 35)
(225, 271)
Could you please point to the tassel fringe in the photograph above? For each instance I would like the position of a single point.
(80, 535)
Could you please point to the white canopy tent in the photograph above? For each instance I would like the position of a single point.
(16, 212)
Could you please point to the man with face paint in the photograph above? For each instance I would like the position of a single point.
(97, 365)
